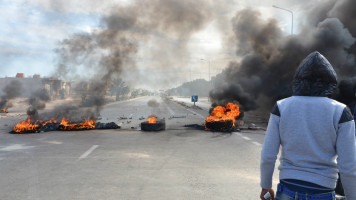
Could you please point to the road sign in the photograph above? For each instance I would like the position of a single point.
(195, 98)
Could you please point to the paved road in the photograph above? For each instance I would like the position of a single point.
(178, 163)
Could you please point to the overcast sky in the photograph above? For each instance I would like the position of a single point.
(30, 30)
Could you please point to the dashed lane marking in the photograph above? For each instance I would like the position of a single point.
(87, 153)
(170, 110)
(237, 133)
(256, 143)
(248, 139)
(196, 113)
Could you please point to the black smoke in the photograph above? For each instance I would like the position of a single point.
(269, 58)
(11, 91)
(37, 101)
(106, 52)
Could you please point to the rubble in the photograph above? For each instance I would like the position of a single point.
(111, 125)
(178, 116)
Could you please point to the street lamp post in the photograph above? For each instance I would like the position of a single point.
(274, 6)
(209, 67)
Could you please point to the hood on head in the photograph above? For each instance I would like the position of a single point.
(314, 77)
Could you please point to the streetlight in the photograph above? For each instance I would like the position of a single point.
(274, 6)
(209, 66)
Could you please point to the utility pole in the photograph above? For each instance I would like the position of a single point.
(209, 66)
(291, 12)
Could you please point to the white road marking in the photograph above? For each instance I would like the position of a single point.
(237, 133)
(16, 147)
(196, 113)
(86, 154)
(246, 138)
(256, 143)
(170, 110)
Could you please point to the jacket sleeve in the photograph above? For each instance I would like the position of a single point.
(346, 150)
(270, 149)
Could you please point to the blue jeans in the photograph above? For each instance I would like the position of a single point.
(283, 196)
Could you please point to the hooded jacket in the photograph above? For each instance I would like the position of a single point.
(317, 134)
(314, 77)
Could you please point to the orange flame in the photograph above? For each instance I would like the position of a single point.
(152, 120)
(4, 110)
(51, 121)
(230, 112)
(27, 126)
(66, 125)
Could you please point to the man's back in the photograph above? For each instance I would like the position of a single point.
(308, 133)
(317, 135)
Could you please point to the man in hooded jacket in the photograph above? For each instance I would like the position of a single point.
(355, 111)
(317, 136)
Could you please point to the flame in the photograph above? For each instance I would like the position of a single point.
(51, 121)
(230, 112)
(152, 120)
(66, 125)
(4, 110)
(27, 126)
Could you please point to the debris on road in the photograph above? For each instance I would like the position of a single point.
(252, 126)
(177, 116)
(195, 126)
(111, 125)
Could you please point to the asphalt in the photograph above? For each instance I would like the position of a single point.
(127, 163)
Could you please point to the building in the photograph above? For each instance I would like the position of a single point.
(56, 88)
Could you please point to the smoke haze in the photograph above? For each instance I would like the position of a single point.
(157, 32)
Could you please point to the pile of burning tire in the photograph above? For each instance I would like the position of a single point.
(222, 118)
(31, 126)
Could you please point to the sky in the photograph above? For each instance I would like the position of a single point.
(30, 30)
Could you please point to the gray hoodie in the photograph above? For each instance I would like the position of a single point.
(317, 134)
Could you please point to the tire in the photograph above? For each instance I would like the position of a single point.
(219, 125)
(159, 126)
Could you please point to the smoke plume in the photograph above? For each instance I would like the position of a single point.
(37, 101)
(98, 58)
(11, 91)
(270, 59)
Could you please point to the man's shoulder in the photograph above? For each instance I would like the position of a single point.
(317, 100)
(337, 103)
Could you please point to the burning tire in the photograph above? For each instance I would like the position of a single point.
(222, 118)
(159, 126)
(153, 125)
(221, 125)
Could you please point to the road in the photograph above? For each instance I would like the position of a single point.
(178, 163)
